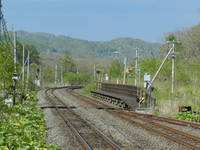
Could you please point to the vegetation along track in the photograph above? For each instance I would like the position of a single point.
(88, 135)
(180, 137)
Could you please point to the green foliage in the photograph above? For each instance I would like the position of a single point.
(73, 78)
(34, 54)
(6, 67)
(116, 69)
(68, 63)
(48, 75)
(170, 37)
(23, 127)
(88, 88)
(189, 116)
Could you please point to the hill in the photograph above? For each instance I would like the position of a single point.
(46, 42)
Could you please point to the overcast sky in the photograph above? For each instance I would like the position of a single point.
(102, 20)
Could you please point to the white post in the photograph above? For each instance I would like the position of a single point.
(56, 68)
(23, 65)
(173, 67)
(94, 71)
(15, 51)
(77, 71)
(15, 68)
(125, 64)
(136, 67)
(28, 70)
(61, 75)
(139, 76)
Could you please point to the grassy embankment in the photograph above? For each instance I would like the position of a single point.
(22, 127)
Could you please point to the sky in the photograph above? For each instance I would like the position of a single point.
(102, 20)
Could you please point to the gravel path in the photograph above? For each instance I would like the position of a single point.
(129, 136)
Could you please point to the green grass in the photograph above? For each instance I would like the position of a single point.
(89, 87)
(184, 95)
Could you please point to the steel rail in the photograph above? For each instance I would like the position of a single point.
(74, 131)
(79, 136)
(110, 142)
(132, 114)
(160, 133)
(172, 121)
(123, 115)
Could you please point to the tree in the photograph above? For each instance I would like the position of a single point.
(116, 69)
(34, 54)
(6, 67)
(68, 64)
(73, 78)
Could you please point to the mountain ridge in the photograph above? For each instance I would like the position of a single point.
(47, 42)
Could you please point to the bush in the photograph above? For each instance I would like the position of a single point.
(189, 116)
(73, 78)
(23, 127)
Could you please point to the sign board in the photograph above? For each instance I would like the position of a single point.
(147, 77)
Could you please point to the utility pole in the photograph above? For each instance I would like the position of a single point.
(77, 70)
(136, 66)
(173, 63)
(28, 70)
(61, 75)
(15, 78)
(173, 66)
(125, 65)
(94, 72)
(56, 68)
(23, 64)
(15, 53)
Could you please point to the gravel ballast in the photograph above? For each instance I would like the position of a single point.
(128, 136)
(58, 133)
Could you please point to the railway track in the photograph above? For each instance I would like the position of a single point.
(88, 135)
(148, 123)
(172, 121)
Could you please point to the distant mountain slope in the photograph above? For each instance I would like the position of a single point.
(82, 48)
